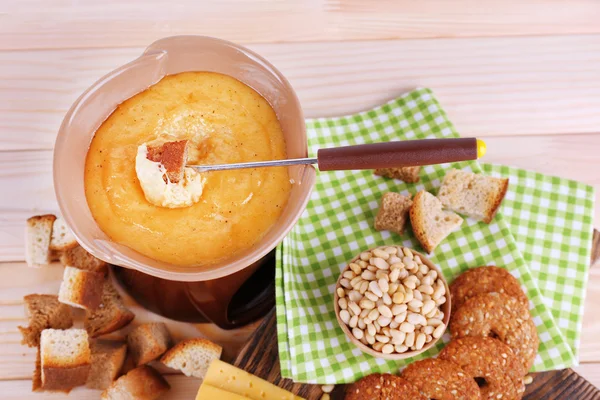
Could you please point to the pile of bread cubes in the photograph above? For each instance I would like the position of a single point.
(433, 218)
(68, 357)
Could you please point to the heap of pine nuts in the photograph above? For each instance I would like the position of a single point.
(390, 300)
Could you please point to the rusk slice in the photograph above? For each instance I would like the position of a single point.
(192, 357)
(38, 236)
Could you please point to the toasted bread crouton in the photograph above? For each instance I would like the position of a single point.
(64, 358)
(192, 357)
(111, 315)
(393, 212)
(142, 383)
(37, 240)
(430, 223)
(44, 311)
(108, 357)
(474, 195)
(405, 174)
(62, 238)
(81, 289)
(36, 379)
(79, 258)
(172, 155)
(148, 341)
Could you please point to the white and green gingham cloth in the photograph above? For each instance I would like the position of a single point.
(338, 224)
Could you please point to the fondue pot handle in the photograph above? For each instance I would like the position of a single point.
(395, 154)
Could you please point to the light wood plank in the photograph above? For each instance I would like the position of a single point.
(488, 86)
(17, 280)
(28, 174)
(64, 23)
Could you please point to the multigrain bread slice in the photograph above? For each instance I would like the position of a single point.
(142, 383)
(64, 358)
(430, 223)
(406, 174)
(172, 155)
(38, 235)
(79, 258)
(81, 289)
(475, 195)
(62, 239)
(111, 315)
(393, 212)
(192, 357)
(44, 311)
(108, 357)
(148, 341)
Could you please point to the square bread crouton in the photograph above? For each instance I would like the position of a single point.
(64, 358)
(475, 195)
(44, 311)
(62, 239)
(393, 212)
(38, 235)
(148, 341)
(172, 155)
(192, 357)
(111, 315)
(430, 223)
(81, 289)
(142, 383)
(108, 357)
(405, 174)
(79, 258)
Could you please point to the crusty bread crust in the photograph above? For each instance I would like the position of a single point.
(172, 155)
(108, 357)
(38, 235)
(61, 378)
(81, 289)
(44, 311)
(405, 174)
(62, 238)
(148, 341)
(496, 201)
(141, 383)
(79, 258)
(110, 316)
(417, 220)
(181, 347)
(393, 212)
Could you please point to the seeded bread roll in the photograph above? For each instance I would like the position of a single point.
(81, 289)
(149, 341)
(393, 213)
(406, 174)
(108, 357)
(62, 238)
(430, 223)
(64, 359)
(192, 357)
(44, 311)
(111, 315)
(142, 383)
(475, 195)
(37, 240)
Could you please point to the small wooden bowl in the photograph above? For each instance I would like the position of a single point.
(446, 307)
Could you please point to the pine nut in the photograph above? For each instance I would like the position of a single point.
(403, 274)
(417, 295)
(358, 333)
(423, 269)
(345, 316)
(362, 264)
(369, 338)
(400, 348)
(349, 275)
(394, 324)
(325, 396)
(383, 285)
(368, 275)
(372, 268)
(327, 388)
(345, 283)
(343, 303)
(364, 286)
(397, 336)
(375, 288)
(377, 346)
(363, 313)
(427, 289)
(381, 254)
(377, 326)
(394, 275)
(387, 349)
(408, 296)
(365, 256)
(393, 288)
(356, 281)
(366, 304)
(420, 341)
(385, 311)
(399, 309)
(440, 301)
(434, 322)
(379, 302)
(410, 284)
(383, 321)
(438, 292)
(373, 314)
(432, 313)
(371, 296)
(382, 338)
(387, 300)
(407, 327)
(354, 296)
(410, 339)
(398, 298)
(427, 280)
(397, 266)
(400, 318)
(361, 323)
(394, 260)
(416, 319)
(428, 338)
(428, 306)
(353, 321)
(408, 262)
(379, 263)
(418, 260)
(381, 274)
(355, 268)
(340, 292)
(439, 331)
(528, 379)
(371, 329)
(416, 303)
(354, 307)
(391, 250)
(407, 253)
(428, 330)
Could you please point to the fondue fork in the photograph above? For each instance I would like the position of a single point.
(396, 154)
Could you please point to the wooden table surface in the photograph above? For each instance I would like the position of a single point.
(523, 74)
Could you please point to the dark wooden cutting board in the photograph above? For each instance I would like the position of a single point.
(260, 357)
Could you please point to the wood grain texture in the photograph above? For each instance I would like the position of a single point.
(489, 86)
(63, 23)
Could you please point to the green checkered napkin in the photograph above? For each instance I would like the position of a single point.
(551, 221)
(337, 225)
